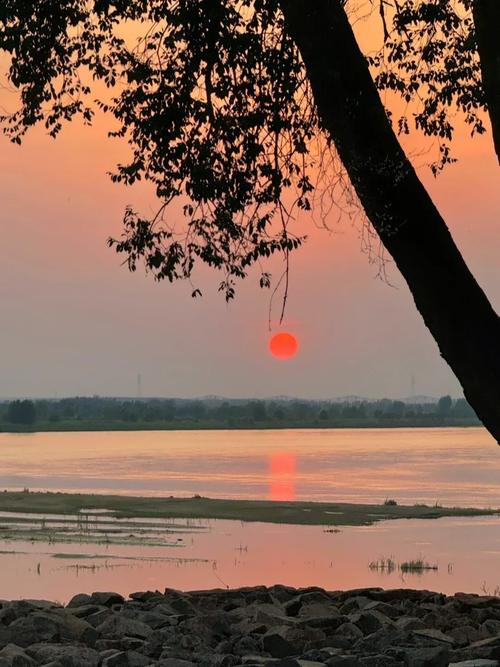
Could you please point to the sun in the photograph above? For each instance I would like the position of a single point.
(283, 345)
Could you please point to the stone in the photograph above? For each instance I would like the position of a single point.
(436, 635)
(388, 610)
(118, 626)
(146, 596)
(125, 659)
(465, 634)
(489, 627)
(106, 599)
(349, 631)
(409, 623)
(479, 662)
(275, 643)
(98, 617)
(368, 622)
(380, 661)
(435, 656)
(84, 610)
(14, 656)
(68, 656)
(114, 659)
(73, 628)
(344, 661)
(36, 627)
(175, 662)
(79, 600)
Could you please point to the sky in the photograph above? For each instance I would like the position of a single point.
(75, 322)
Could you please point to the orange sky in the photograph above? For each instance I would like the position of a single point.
(74, 322)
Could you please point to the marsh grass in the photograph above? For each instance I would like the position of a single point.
(388, 565)
(417, 566)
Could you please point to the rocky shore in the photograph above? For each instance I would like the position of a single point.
(254, 627)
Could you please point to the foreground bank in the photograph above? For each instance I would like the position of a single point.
(277, 626)
(300, 513)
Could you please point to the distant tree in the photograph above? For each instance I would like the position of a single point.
(444, 405)
(225, 102)
(279, 414)
(463, 409)
(21, 412)
(258, 411)
(398, 408)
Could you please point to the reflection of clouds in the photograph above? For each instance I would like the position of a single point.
(282, 471)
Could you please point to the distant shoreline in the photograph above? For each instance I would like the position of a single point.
(71, 426)
(197, 507)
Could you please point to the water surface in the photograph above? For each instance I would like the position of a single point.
(451, 466)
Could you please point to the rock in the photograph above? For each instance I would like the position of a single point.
(79, 600)
(112, 658)
(118, 626)
(282, 593)
(99, 617)
(36, 627)
(369, 622)
(435, 635)
(67, 656)
(73, 628)
(490, 627)
(270, 615)
(344, 661)
(485, 648)
(253, 627)
(155, 620)
(349, 631)
(436, 656)
(275, 643)
(470, 600)
(106, 599)
(388, 610)
(84, 610)
(465, 634)
(295, 662)
(480, 662)
(146, 596)
(125, 659)
(14, 656)
(380, 661)
(409, 623)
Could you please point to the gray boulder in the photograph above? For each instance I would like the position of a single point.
(67, 656)
(14, 656)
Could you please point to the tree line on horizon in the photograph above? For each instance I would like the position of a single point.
(233, 413)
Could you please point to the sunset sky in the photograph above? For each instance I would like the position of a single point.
(75, 322)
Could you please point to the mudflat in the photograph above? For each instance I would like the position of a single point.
(290, 512)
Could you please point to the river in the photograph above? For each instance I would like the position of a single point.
(449, 466)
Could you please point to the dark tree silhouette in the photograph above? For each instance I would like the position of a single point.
(487, 22)
(21, 412)
(222, 102)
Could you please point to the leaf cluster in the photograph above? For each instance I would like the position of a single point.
(213, 101)
(430, 59)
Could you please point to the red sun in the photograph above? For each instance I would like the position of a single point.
(283, 345)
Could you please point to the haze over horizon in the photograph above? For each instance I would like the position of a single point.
(76, 323)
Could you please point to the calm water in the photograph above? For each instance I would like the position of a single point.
(451, 466)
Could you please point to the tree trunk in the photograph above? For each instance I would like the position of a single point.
(487, 23)
(453, 306)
